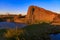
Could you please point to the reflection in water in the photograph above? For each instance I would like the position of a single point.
(11, 25)
(55, 36)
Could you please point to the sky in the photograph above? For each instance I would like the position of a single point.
(21, 6)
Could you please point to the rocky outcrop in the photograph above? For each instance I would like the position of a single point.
(37, 15)
(19, 19)
(34, 15)
(56, 20)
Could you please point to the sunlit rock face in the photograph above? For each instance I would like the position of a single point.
(37, 15)
(56, 20)
(19, 19)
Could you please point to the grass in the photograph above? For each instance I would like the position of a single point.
(40, 31)
(30, 32)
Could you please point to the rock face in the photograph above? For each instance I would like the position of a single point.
(19, 19)
(56, 20)
(37, 15)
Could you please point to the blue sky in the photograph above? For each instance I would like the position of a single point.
(21, 6)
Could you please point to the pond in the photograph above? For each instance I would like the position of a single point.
(55, 36)
(11, 25)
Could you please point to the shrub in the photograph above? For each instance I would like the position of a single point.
(13, 33)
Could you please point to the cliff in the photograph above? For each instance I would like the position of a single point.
(38, 15)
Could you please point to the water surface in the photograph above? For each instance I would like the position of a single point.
(11, 25)
(55, 36)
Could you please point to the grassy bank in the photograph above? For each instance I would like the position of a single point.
(30, 32)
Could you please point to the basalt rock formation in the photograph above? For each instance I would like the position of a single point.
(38, 15)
